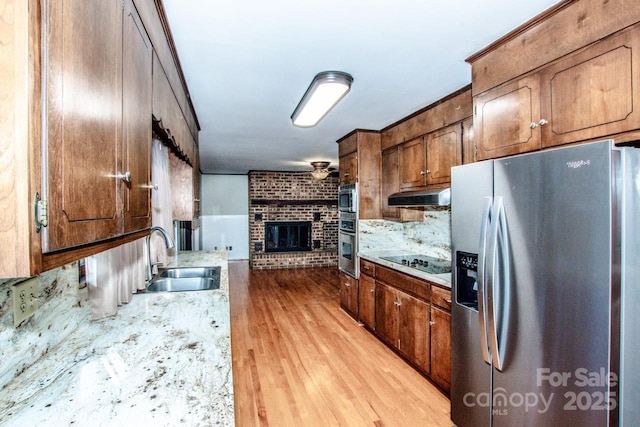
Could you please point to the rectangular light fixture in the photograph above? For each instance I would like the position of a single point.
(326, 89)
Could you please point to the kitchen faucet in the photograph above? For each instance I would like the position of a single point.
(168, 242)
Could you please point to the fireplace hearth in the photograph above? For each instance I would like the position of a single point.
(287, 236)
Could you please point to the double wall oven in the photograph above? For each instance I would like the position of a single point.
(348, 229)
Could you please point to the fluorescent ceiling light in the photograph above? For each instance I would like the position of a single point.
(326, 89)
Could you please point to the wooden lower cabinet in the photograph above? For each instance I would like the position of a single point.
(411, 315)
(441, 347)
(413, 330)
(386, 314)
(349, 294)
(402, 321)
(366, 300)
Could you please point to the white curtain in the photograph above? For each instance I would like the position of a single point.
(114, 275)
(160, 200)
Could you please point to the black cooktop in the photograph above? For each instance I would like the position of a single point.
(422, 262)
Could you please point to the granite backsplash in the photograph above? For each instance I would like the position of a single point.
(61, 308)
(431, 236)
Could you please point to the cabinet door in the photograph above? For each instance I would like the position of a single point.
(349, 168)
(594, 93)
(468, 141)
(412, 163)
(413, 330)
(444, 150)
(390, 182)
(84, 111)
(349, 294)
(366, 299)
(386, 314)
(136, 117)
(441, 347)
(505, 119)
(181, 175)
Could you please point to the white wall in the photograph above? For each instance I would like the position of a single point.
(225, 214)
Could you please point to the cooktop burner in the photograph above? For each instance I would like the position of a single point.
(422, 262)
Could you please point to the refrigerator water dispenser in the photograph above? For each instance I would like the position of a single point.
(467, 279)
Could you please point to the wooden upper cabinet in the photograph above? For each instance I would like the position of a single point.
(444, 150)
(468, 141)
(412, 163)
(390, 182)
(349, 168)
(593, 93)
(530, 94)
(359, 154)
(20, 134)
(84, 121)
(136, 109)
(505, 119)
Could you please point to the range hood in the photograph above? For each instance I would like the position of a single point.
(432, 197)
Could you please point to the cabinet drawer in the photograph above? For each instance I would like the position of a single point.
(367, 267)
(404, 282)
(441, 297)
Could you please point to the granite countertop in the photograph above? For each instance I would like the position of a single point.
(163, 360)
(375, 256)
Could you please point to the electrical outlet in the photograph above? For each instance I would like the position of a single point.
(25, 300)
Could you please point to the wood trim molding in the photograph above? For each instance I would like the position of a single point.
(356, 131)
(174, 53)
(57, 259)
(297, 202)
(428, 107)
(521, 29)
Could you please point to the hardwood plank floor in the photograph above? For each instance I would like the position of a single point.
(299, 360)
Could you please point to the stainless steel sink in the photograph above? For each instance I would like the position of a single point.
(183, 279)
(186, 272)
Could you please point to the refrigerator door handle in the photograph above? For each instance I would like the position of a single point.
(498, 284)
(482, 280)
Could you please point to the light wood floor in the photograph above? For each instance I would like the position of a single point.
(299, 360)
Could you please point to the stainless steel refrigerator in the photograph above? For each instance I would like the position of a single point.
(544, 251)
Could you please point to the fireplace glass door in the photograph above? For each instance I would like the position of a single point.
(287, 236)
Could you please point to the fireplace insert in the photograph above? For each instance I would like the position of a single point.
(287, 236)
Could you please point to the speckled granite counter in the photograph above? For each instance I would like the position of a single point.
(374, 256)
(164, 360)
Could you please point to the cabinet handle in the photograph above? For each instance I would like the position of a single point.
(533, 125)
(427, 171)
(432, 322)
(397, 304)
(366, 267)
(347, 285)
(126, 177)
(423, 173)
(448, 301)
(542, 122)
(150, 186)
(372, 290)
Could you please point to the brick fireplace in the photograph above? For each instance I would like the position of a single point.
(284, 201)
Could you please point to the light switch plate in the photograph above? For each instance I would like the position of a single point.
(25, 300)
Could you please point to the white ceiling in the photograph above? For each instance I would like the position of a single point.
(248, 62)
